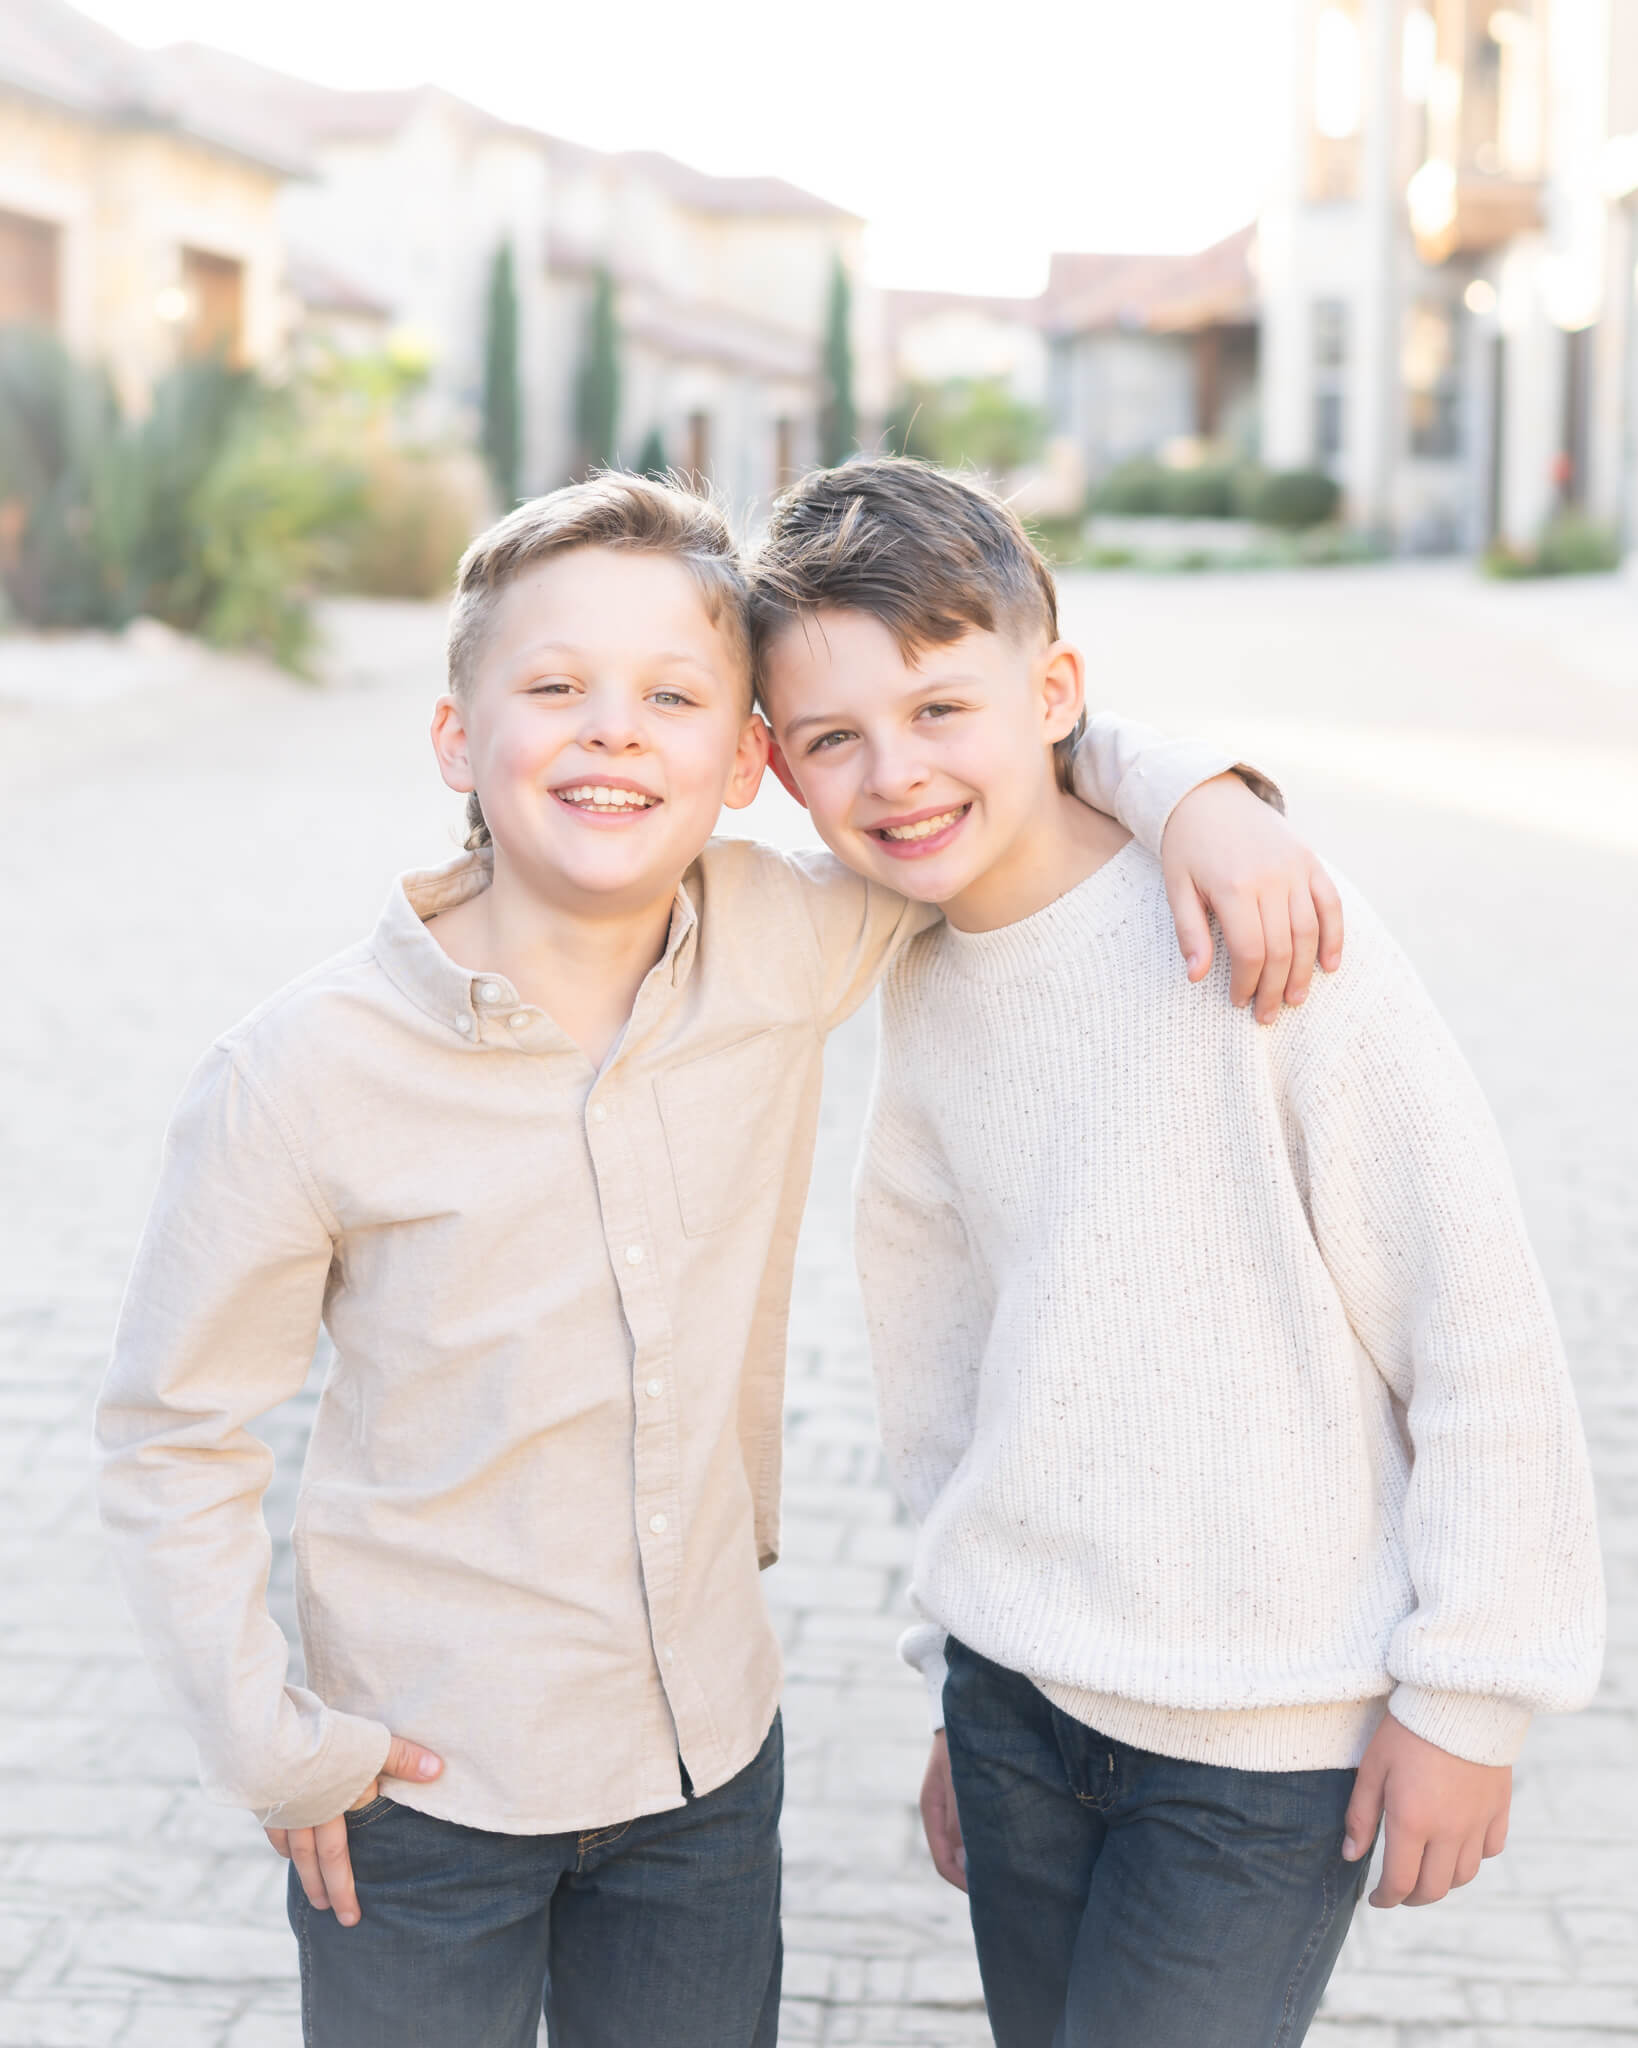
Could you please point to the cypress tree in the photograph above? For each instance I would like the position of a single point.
(502, 397)
(651, 456)
(597, 389)
(838, 423)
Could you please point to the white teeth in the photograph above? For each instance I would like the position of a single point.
(603, 798)
(925, 829)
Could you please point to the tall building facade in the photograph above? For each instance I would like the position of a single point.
(1447, 265)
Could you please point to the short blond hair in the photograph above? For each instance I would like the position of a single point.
(635, 514)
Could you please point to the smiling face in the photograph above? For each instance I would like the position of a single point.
(931, 772)
(607, 723)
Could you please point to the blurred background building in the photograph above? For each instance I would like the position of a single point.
(1427, 342)
(1448, 265)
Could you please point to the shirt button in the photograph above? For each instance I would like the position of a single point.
(518, 1019)
(658, 1524)
(490, 991)
(463, 1024)
(654, 1389)
(634, 1255)
(599, 1114)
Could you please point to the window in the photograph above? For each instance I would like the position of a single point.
(213, 322)
(28, 270)
(1330, 360)
(1430, 366)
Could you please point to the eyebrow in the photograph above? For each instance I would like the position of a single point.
(668, 657)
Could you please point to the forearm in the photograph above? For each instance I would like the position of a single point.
(1139, 776)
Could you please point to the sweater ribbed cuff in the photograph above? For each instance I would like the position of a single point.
(1484, 1731)
(922, 1648)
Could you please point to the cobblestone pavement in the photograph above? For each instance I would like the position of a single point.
(172, 851)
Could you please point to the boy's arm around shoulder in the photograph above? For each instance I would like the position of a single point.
(219, 1323)
(1415, 1213)
(1217, 829)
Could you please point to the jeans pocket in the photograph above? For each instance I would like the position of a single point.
(372, 1809)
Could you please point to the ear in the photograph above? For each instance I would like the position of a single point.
(449, 743)
(782, 770)
(1063, 689)
(750, 758)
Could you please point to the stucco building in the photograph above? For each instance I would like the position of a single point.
(131, 222)
(1448, 264)
(720, 283)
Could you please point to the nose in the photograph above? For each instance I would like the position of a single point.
(611, 724)
(896, 770)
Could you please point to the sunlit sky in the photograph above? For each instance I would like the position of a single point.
(973, 138)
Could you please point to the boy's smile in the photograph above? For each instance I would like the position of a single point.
(920, 833)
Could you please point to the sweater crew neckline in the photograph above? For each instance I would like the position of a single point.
(1092, 909)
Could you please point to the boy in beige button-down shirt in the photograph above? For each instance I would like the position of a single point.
(534, 1154)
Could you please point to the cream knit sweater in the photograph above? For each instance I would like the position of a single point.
(1211, 1357)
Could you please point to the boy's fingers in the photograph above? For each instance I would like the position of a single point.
(1329, 906)
(1436, 1875)
(280, 1838)
(1275, 918)
(1401, 1867)
(1468, 1859)
(1364, 1814)
(304, 1856)
(406, 1759)
(1305, 932)
(1193, 926)
(1243, 935)
(1495, 1836)
(336, 1867)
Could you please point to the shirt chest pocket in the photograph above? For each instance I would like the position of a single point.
(728, 1124)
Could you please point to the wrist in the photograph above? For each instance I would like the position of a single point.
(1477, 1728)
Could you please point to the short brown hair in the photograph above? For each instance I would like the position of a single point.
(929, 553)
(636, 514)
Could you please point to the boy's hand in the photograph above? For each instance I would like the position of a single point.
(939, 1817)
(1444, 1815)
(1226, 851)
(320, 1854)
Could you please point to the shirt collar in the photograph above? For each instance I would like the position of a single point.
(420, 969)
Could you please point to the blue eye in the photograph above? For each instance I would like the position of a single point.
(671, 697)
(827, 740)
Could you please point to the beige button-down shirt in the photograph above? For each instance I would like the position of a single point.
(544, 1472)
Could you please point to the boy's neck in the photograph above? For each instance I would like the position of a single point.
(1063, 842)
(582, 969)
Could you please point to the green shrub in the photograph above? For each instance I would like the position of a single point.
(66, 523)
(1203, 493)
(214, 513)
(1574, 545)
(416, 510)
(1136, 489)
(1570, 545)
(1292, 499)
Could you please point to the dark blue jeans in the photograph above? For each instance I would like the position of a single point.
(663, 1931)
(1126, 1900)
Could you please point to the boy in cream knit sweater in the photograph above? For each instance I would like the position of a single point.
(1211, 1358)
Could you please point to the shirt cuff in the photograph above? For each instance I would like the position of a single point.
(1163, 775)
(353, 1753)
(1483, 1730)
